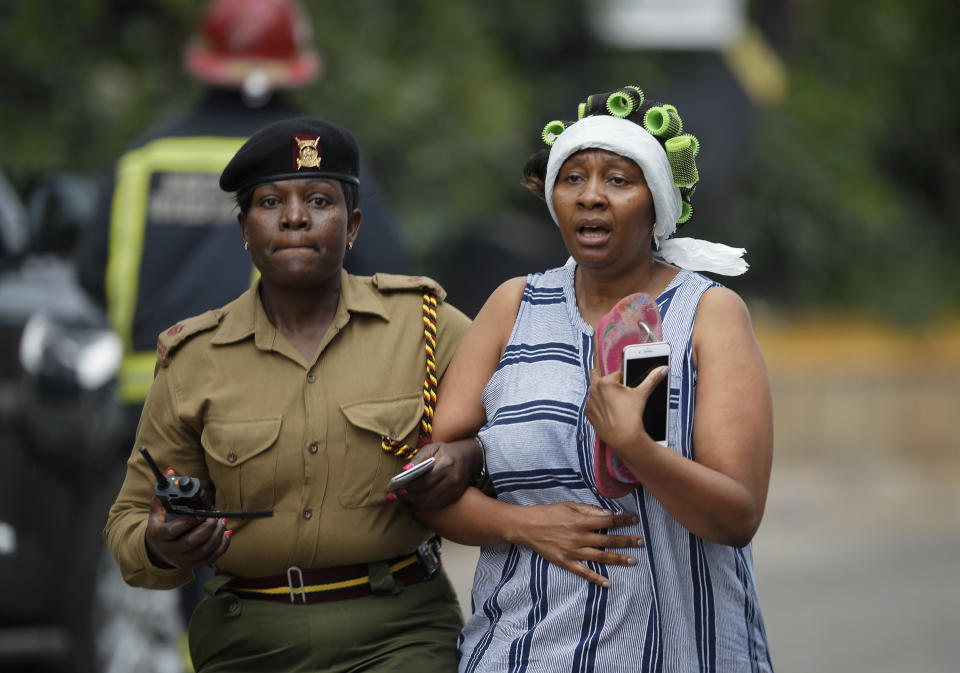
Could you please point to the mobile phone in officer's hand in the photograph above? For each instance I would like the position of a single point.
(414, 472)
(638, 361)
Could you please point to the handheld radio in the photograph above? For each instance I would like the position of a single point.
(183, 495)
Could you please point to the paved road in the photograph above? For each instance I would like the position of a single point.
(858, 571)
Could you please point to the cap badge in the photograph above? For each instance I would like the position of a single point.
(309, 153)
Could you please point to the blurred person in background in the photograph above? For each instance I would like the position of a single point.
(303, 396)
(617, 183)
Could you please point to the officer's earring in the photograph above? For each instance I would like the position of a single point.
(349, 246)
(246, 246)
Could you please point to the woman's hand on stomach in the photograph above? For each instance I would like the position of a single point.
(569, 533)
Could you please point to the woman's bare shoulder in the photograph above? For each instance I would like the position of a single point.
(506, 298)
(494, 322)
(721, 301)
(723, 320)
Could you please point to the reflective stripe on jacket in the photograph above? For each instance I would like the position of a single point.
(138, 173)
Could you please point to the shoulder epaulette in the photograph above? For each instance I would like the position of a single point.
(170, 339)
(390, 282)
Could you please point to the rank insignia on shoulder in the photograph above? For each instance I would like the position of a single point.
(308, 152)
(173, 337)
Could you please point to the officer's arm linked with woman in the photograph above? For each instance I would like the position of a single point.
(650, 565)
(303, 396)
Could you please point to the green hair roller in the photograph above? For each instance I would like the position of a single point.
(675, 120)
(596, 103)
(694, 142)
(680, 155)
(662, 123)
(581, 111)
(686, 213)
(623, 102)
(639, 93)
(552, 131)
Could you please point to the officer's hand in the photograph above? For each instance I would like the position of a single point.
(458, 465)
(186, 541)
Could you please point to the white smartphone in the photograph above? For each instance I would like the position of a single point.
(638, 361)
(417, 470)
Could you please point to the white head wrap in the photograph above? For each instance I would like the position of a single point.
(631, 140)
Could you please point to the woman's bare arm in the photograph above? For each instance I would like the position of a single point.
(459, 411)
(721, 494)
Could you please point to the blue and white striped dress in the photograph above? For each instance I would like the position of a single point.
(688, 604)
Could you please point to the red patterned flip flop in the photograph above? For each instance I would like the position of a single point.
(634, 319)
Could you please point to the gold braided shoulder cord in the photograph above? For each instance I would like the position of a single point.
(429, 384)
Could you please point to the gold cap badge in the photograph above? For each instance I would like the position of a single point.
(309, 154)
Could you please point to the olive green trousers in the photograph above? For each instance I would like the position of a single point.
(410, 628)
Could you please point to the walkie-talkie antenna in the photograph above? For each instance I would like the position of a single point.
(162, 482)
(184, 495)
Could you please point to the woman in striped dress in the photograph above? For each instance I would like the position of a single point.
(660, 579)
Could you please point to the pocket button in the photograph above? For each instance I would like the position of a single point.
(231, 457)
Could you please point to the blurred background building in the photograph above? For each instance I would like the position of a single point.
(831, 146)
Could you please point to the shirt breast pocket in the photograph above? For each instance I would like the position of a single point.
(366, 468)
(242, 468)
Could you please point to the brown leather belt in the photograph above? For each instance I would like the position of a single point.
(323, 585)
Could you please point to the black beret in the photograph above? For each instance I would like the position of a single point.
(293, 148)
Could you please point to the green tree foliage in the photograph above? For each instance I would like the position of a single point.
(81, 78)
(850, 201)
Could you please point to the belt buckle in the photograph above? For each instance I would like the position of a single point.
(291, 571)
(429, 555)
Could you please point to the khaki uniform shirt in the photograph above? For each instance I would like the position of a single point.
(235, 404)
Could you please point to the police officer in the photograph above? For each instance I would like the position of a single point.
(164, 245)
(303, 396)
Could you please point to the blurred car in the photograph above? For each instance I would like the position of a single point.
(63, 605)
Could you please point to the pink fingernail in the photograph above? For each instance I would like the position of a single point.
(402, 491)
(407, 466)
(391, 496)
(223, 521)
(229, 533)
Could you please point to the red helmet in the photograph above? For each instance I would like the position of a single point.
(267, 38)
